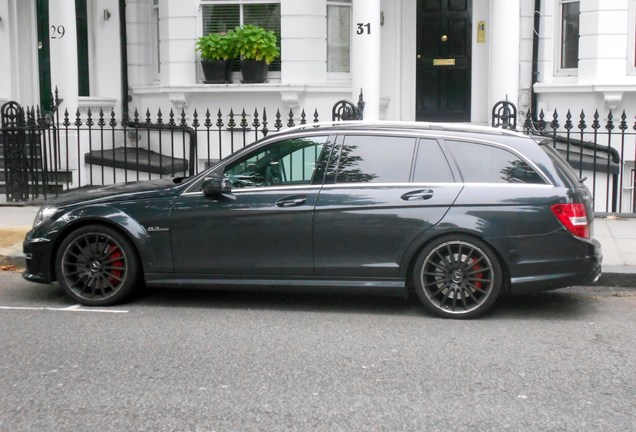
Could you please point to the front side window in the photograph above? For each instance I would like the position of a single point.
(338, 36)
(480, 163)
(219, 16)
(569, 52)
(285, 163)
(375, 159)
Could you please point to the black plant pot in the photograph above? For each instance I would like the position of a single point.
(254, 71)
(217, 71)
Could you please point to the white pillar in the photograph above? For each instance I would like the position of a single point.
(6, 42)
(63, 39)
(365, 55)
(178, 21)
(505, 27)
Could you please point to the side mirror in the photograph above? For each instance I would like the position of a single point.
(215, 186)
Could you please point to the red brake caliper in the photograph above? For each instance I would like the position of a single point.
(115, 253)
(479, 275)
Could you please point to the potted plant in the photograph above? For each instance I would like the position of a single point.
(257, 48)
(217, 50)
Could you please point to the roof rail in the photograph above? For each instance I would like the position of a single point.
(457, 127)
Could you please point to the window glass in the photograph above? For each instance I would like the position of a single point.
(563, 168)
(219, 16)
(375, 159)
(570, 34)
(288, 162)
(487, 164)
(431, 164)
(338, 36)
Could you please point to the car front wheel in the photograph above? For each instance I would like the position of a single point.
(457, 277)
(97, 266)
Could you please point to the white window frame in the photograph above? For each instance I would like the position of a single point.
(155, 40)
(338, 76)
(631, 38)
(272, 75)
(561, 71)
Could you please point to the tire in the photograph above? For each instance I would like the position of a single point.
(97, 266)
(457, 277)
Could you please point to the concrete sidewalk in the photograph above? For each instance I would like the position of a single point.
(617, 236)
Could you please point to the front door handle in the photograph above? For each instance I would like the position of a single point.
(291, 201)
(420, 194)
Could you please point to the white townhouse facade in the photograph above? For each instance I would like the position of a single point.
(414, 59)
(433, 60)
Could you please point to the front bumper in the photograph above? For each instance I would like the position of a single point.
(39, 265)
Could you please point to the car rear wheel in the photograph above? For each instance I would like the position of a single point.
(457, 277)
(97, 266)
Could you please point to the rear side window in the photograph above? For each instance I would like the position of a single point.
(480, 163)
(431, 164)
(375, 159)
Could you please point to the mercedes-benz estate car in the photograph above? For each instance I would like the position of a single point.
(458, 214)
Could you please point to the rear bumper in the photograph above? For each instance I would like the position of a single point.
(582, 266)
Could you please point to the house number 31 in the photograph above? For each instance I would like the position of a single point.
(363, 28)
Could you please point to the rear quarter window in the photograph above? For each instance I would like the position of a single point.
(481, 163)
(563, 169)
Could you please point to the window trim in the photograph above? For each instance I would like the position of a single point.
(155, 41)
(337, 76)
(272, 76)
(558, 41)
(631, 38)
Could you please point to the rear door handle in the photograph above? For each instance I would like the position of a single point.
(420, 194)
(291, 201)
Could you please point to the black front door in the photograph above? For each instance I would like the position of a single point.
(443, 60)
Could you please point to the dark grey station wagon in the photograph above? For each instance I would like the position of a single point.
(458, 214)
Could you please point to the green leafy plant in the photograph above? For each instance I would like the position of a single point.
(256, 43)
(217, 46)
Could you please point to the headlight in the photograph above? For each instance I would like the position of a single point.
(44, 214)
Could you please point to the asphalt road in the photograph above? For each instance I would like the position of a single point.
(218, 361)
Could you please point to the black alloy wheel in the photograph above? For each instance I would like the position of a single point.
(457, 277)
(97, 266)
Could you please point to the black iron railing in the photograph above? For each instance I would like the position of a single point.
(54, 152)
(601, 149)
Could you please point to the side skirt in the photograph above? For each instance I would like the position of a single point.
(392, 287)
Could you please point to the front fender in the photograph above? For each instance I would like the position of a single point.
(107, 215)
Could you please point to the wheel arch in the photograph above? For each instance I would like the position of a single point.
(410, 258)
(109, 217)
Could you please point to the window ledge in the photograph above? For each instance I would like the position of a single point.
(583, 88)
(95, 103)
(242, 88)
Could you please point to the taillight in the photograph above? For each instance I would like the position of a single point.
(573, 217)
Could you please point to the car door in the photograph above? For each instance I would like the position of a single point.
(264, 226)
(380, 193)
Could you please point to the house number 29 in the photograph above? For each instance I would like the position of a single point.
(363, 28)
(57, 32)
